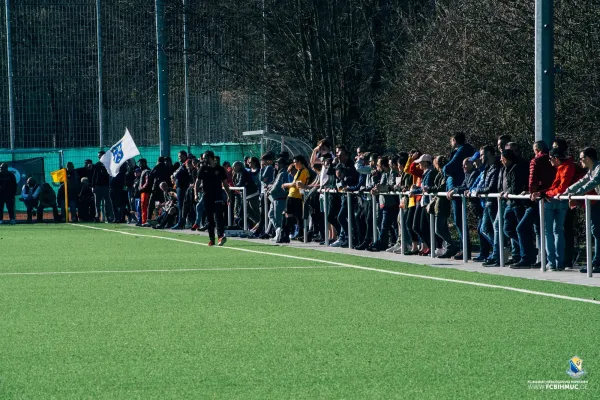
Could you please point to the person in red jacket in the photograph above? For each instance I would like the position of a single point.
(556, 210)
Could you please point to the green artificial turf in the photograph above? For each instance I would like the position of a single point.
(270, 333)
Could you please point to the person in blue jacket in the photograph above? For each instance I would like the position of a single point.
(455, 177)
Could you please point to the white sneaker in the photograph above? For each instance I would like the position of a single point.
(337, 243)
(394, 248)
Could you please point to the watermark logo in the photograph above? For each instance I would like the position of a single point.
(575, 370)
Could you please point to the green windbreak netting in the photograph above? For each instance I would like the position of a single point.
(51, 160)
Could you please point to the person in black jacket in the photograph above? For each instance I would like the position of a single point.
(517, 180)
(182, 182)
(117, 195)
(8, 191)
(101, 189)
(160, 173)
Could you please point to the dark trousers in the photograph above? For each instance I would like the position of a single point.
(30, 204)
(63, 212)
(54, 207)
(512, 215)
(526, 232)
(10, 206)
(457, 213)
(334, 209)
(215, 215)
(154, 197)
(410, 223)
(117, 206)
(389, 215)
(421, 225)
(180, 200)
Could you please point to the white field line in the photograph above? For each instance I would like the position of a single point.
(383, 271)
(143, 271)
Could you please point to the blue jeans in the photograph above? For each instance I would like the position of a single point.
(529, 224)
(512, 215)
(388, 217)
(554, 218)
(487, 228)
(200, 210)
(595, 211)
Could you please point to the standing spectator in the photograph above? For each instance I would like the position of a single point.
(267, 176)
(8, 191)
(421, 224)
(243, 178)
(441, 207)
(591, 181)
(30, 194)
(160, 173)
(117, 193)
(541, 176)
(278, 196)
(323, 147)
(145, 189)
(403, 183)
(87, 208)
(293, 206)
(182, 182)
(516, 178)
(347, 177)
(73, 188)
(412, 169)
(555, 210)
(488, 185)
(387, 204)
(100, 187)
(454, 177)
(214, 181)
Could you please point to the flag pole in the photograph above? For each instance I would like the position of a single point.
(66, 198)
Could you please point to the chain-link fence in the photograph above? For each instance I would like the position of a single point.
(87, 68)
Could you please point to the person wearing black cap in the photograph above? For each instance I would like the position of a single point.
(214, 181)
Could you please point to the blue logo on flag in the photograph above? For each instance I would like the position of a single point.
(117, 152)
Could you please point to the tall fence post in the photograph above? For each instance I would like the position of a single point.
(163, 80)
(350, 232)
(465, 230)
(9, 66)
(185, 79)
(326, 213)
(542, 236)
(544, 70)
(500, 219)
(588, 236)
(100, 98)
(229, 213)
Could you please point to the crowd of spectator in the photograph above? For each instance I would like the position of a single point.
(282, 193)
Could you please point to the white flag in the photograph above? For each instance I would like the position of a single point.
(119, 153)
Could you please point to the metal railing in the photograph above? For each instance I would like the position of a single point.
(465, 229)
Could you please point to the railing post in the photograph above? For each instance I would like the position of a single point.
(465, 230)
(229, 213)
(326, 213)
(401, 230)
(500, 218)
(266, 210)
(588, 236)
(245, 208)
(542, 236)
(432, 246)
(349, 204)
(374, 217)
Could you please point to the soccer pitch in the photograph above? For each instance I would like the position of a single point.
(111, 311)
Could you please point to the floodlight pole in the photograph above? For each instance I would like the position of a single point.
(544, 70)
(185, 77)
(163, 79)
(100, 101)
